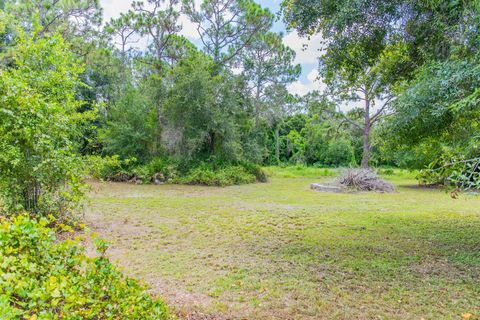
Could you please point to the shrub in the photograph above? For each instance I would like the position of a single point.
(165, 170)
(364, 180)
(205, 175)
(41, 278)
(110, 168)
(157, 170)
(39, 170)
(256, 170)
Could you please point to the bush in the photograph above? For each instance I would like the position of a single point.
(204, 175)
(256, 170)
(110, 168)
(452, 171)
(39, 122)
(164, 170)
(41, 278)
(158, 170)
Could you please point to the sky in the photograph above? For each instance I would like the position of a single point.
(307, 50)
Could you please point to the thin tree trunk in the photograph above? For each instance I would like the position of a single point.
(257, 101)
(277, 144)
(124, 58)
(366, 136)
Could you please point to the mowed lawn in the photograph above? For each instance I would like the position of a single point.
(281, 251)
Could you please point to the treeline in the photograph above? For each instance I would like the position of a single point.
(174, 100)
(224, 103)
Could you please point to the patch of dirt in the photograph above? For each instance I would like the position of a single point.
(186, 304)
(199, 316)
(438, 268)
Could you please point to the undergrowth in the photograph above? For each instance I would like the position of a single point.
(165, 170)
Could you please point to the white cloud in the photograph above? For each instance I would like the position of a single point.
(313, 75)
(308, 50)
(189, 29)
(113, 8)
(303, 87)
(315, 83)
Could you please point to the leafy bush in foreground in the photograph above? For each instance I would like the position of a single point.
(44, 279)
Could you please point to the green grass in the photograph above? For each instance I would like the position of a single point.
(300, 171)
(282, 251)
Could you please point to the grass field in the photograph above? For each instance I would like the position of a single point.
(282, 251)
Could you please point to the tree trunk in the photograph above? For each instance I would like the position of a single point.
(366, 136)
(257, 114)
(124, 59)
(277, 144)
(257, 102)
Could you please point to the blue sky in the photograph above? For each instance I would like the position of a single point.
(306, 57)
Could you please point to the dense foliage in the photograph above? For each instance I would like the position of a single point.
(459, 173)
(167, 170)
(418, 58)
(41, 278)
(39, 168)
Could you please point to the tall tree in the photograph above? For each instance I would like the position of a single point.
(122, 30)
(362, 62)
(157, 19)
(226, 27)
(267, 62)
(362, 79)
(432, 29)
(365, 30)
(77, 21)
